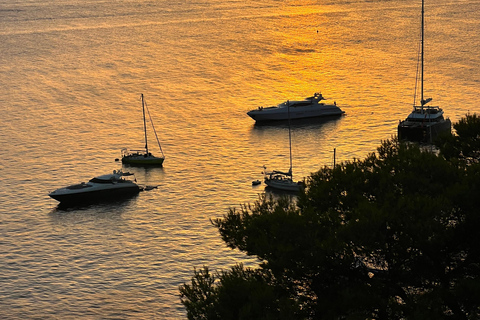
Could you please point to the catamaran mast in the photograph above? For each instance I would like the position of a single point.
(144, 124)
(422, 100)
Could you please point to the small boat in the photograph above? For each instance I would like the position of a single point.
(308, 108)
(424, 123)
(108, 186)
(256, 182)
(143, 157)
(283, 180)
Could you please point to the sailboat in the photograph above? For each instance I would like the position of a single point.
(283, 180)
(424, 123)
(143, 157)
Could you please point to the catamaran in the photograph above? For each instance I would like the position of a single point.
(424, 123)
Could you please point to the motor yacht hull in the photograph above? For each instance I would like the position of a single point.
(310, 107)
(105, 187)
(281, 113)
(95, 195)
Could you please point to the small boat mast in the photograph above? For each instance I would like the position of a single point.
(144, 124)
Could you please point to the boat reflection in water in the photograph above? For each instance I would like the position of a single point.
(115, 186)
(310, 107)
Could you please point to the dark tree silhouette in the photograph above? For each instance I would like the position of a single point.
(393, 236)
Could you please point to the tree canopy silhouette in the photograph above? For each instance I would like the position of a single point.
(393, 236)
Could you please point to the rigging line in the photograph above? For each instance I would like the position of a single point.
(155, 131)
(419, 73)
(417, 76)
(289, 138)
(144, 124)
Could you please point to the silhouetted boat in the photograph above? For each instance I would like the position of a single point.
(108, 186)
(424, 123)
(256, 182)
(143, 157)
(283, 180)
(299, 109)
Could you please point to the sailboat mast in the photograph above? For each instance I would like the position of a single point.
(289, 137)
(144, 125)
(422, 100)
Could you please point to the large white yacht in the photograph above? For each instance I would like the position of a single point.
(296, 109)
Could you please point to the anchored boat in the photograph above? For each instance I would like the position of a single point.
(297, 109)
(424, 123)
(143, 157)
(283, 180)
(108, 186)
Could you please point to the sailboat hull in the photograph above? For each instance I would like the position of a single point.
(285, 185)
(282, 181)
(143, 160)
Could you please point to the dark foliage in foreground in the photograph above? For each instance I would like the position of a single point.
(465, 145)
(393, 236)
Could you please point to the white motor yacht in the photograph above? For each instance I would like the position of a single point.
(300, 109)
(108, 186)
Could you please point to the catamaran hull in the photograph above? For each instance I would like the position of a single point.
(419, 132)
(278, 114)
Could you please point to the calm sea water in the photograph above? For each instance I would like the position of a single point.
(71, 74)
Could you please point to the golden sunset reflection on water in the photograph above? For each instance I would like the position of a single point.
(73, 73)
